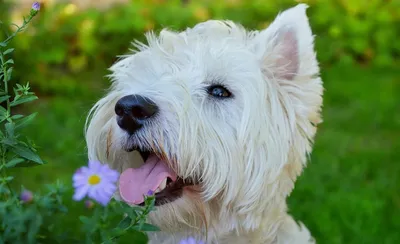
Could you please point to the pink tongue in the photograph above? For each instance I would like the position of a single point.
(134, 183)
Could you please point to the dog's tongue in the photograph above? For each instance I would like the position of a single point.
(135, 183)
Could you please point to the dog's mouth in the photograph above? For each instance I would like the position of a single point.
(153, 177)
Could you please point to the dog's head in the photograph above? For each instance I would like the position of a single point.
(218, 121)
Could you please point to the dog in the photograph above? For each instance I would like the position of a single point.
(218, 122)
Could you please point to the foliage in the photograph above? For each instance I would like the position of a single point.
(68, 40)
(36, 217)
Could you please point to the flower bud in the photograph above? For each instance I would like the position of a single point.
(89, 204)
(36, 6)
(26, 196)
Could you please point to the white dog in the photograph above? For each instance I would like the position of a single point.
(218, 121)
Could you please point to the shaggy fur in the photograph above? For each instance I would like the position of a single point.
(247, 150)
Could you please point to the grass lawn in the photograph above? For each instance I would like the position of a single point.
(350, 192)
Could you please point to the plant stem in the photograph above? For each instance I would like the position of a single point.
(141, 216)
(3, 171)
(9, 38)
(6, 79)
(19, 29)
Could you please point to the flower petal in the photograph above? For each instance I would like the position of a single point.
(78, 184)
(80, 192)
(92, 192)
(191, 240)
(94, 166)
(97, 194)
(110, 174)
(81, 174)
(79, 180)
(108, 187)
(81, 170)
(104, 198)
(184, 241)
(79, 177)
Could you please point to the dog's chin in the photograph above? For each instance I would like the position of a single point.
(174, 188)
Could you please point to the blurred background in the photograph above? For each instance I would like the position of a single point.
(350, 192)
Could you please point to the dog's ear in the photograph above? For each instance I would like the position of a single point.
(286, 47)
(285, 51)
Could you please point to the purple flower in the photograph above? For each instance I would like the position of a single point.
(97, 181)
(190, 240)
(36, 6)
(150, 193)
(26, 196)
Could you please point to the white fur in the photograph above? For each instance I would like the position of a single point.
(247, 151)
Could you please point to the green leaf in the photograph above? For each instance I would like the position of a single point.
(149, 227)
(34, 225)
(13, 162)
(10, 61)
(7, 179)
(9, 141)
(26, 164)
(135, 227)
(9, 72)
(2, 110)
(17, 96)
(3, 44)
(137, 208)
(10, 129)
(4, 98)
(27, 153)
(17, 116)
(84, 219)
(106, 241)
(150, 202)
(23, 100)
(19, 87)
(125, 223)
(10, 50)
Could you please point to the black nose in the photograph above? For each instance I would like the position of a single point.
(133, 111)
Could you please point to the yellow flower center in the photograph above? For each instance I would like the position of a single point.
(94, 180)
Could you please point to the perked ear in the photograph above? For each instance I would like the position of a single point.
(286, 47)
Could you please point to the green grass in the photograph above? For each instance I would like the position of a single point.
(350, 191)
(348, 194)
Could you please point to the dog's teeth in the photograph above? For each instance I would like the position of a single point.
(163, 184)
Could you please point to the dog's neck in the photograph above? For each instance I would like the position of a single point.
(284, 231)
(219, 228)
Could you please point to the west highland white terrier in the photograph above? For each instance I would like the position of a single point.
(218, 122)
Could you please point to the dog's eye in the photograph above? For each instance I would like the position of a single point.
(218, 91)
